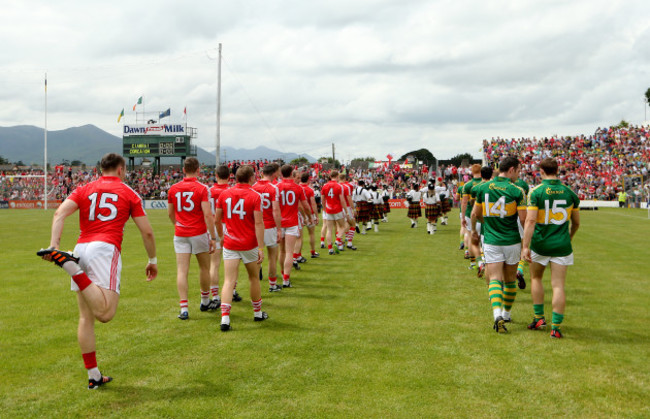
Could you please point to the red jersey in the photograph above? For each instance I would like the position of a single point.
(330, 194)
(238, 204)
(186, 198)
(269, 194)
(309, 194)
(347, 191)
(105, 206)
(290, 196)
(215, 192)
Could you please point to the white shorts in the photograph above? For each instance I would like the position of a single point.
(271, 237)
(521, 228)
(193, 245)
(333, 217)
(247, 256)
(508, 254)
(478, 228)
(544, 260)
(291, 231)
(102, 263)
(350, 213)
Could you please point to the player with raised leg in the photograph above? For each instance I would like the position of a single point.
(105, 206)
(552, 206)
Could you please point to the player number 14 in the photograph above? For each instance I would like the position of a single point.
(238, 209)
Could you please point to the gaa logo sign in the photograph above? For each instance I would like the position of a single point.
(158, 204)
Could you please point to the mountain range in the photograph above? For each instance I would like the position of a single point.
(88, 144)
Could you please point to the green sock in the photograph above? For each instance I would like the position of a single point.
(539, 311)
(496, 294)
(509, 295)
(520, 267)
(557, 320)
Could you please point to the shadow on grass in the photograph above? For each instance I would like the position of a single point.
(616, 336)
(131, 395)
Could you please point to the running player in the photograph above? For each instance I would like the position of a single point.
(272, 220)
(431, 207)
(498, 204)
(413, 198)
(292, 200)
(547, 240)
(190, 212)
(334, 207)
(471, 250)
(240, 209)
(105, 206)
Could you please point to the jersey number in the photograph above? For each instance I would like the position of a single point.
(188, 201)
(288, 198)
(103, 204)
(266, 202)
(559, 215)
(331, 193)
(498, 209)
(238, 209)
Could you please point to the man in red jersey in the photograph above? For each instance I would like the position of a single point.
(222, 177)
(334, 208)
(292, 200)
(105, 206)
(240, 209)
(311, 221)
(272, 220)
(190, 212)
(350, 224)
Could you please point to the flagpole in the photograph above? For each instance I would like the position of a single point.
(219, 111)
(45, 151)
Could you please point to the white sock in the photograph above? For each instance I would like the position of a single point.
(258, 314)
(505, 315)
(72, 268)
(225, 319)
(496, 312)
(94, 374)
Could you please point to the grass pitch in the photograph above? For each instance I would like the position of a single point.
(400, 328)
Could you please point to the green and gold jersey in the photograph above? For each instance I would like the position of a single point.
(523, 185)
(467, 188)
(472, 193)
(499, 200)
(554, 203)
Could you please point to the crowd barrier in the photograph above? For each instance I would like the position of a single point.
(30, 204)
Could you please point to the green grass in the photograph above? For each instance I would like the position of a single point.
(400, 328)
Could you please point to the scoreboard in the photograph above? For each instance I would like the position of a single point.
(156, 147)
(161, 140)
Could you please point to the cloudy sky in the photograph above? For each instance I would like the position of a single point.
(372, 76)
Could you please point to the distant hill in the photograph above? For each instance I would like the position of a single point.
(88, 143)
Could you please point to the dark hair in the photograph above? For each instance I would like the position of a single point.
(286, 170)
(269, 169)
(507, 163)
(361, 183)
(191, 165)
(223, 172)
(244, 174)
(548, 166)
(304, 178)
(111, 161)
(334, 174)
(486, 172)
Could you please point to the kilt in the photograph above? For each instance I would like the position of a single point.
(432, 212)
(386, 207)
(446, 206)
(376, 211)
(363, 212)
(415, 210)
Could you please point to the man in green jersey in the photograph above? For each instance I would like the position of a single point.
(499, 203)
(467, 203)
(547, 239)
(521, 281)
(486, 176)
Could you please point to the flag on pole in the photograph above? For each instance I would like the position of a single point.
(164, 114)
(185, 112)
(139, 102)
(121, 115)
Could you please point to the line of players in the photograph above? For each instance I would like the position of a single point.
(504, 223)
